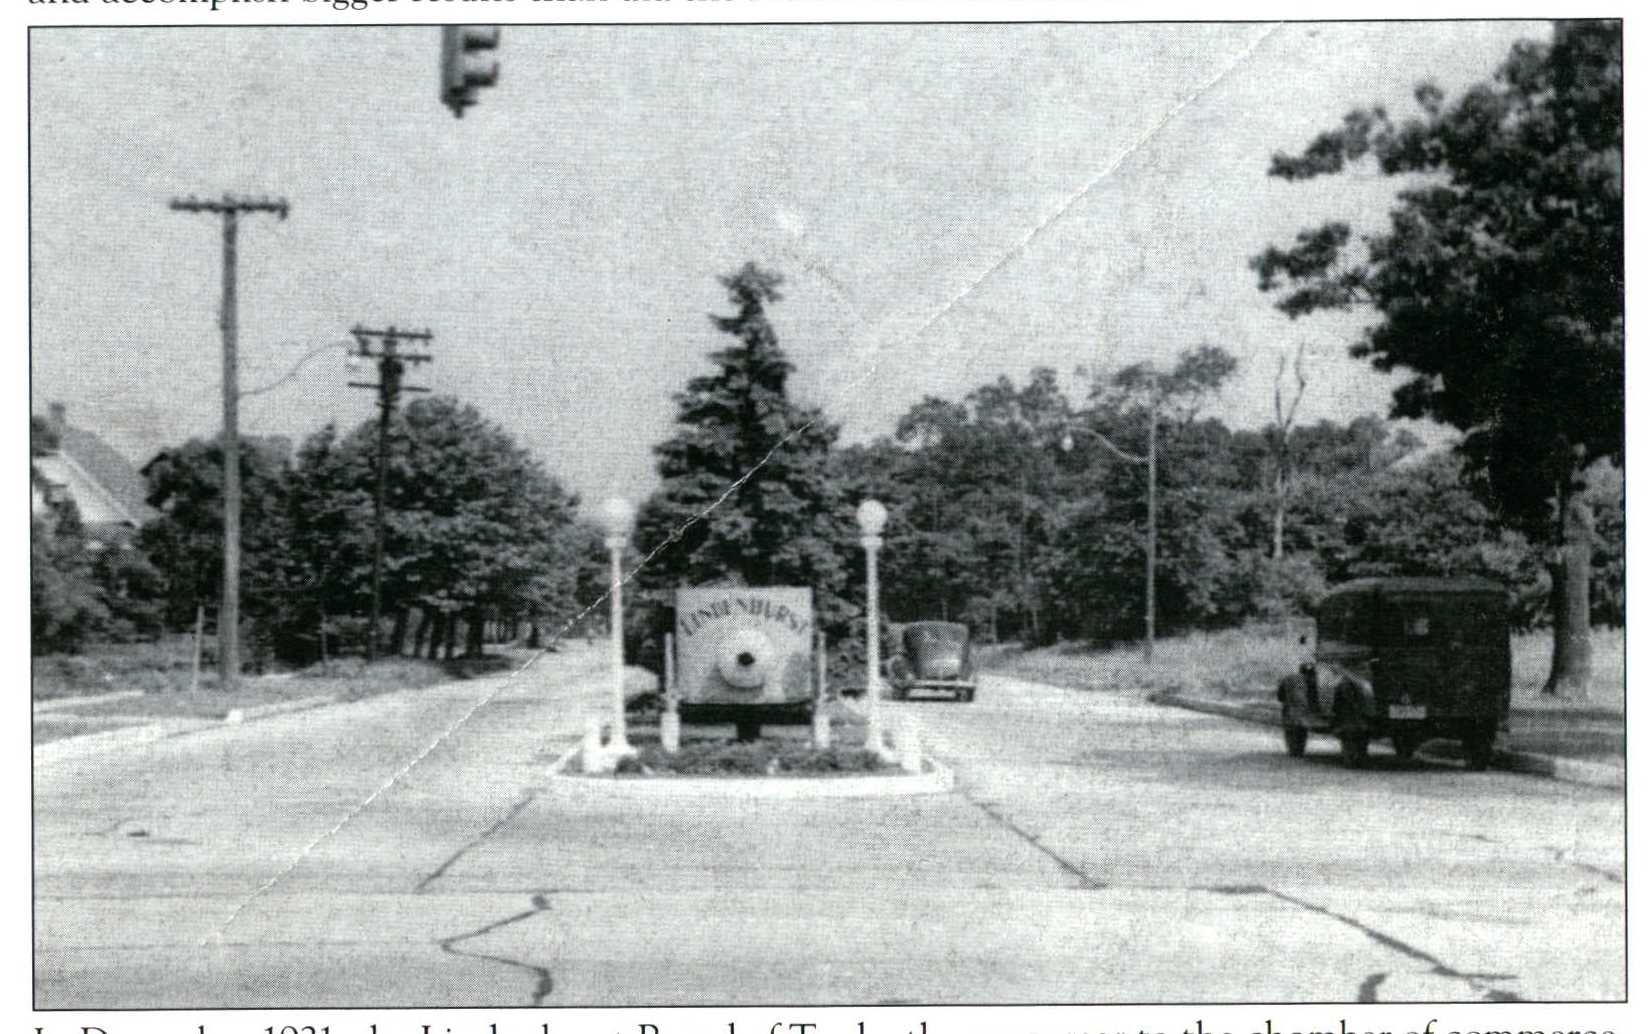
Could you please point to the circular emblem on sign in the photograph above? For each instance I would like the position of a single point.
(744, 659)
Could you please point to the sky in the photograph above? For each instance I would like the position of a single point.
(947, 203)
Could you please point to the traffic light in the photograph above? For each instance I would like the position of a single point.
(464, 70)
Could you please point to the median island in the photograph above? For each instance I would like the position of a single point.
(716, 751)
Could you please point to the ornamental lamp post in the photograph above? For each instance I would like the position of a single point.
(872, 517)
(616, 517)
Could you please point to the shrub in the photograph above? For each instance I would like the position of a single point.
(761, 758)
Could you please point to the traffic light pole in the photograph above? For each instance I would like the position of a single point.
(229, 607)
(391, 366)
(463, 68)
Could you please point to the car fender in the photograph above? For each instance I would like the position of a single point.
(1353, 695)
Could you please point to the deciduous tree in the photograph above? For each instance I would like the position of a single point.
(1498, 285)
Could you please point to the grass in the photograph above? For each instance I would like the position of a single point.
(161, 673)
(157, 666)
(1234, 663)
(1532, 658)
(1246, 664)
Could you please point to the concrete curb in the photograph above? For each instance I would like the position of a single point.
(138, 735)
(936, 779)
(248, 714)
(100, 742)
(1568, 770)
(64, 703)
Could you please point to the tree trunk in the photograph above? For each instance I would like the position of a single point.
(398, 634)
(1572, 632)
(1279, 488)
(451, 637)
(475, 634)
(438, 633)
(422, 633)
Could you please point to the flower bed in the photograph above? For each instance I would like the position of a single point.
(765, 757)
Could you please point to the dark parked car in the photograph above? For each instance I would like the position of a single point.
(1405, 659)
(933, 656)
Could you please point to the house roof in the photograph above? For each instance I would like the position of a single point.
(103, 484)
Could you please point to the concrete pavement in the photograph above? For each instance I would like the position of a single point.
(1529, 762)
(399, 852)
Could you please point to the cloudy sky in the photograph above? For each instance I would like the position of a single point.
(948, 203)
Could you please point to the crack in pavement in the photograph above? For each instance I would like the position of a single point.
(944, 752)
(505, 820)
(507, 679)
(1439, 967)
(1560, 855)
(544, 984)
(107, 831)
(1088, 882)
(1366, 990)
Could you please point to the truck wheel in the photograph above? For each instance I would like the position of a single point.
(1404, 744)
(1354, 749)
(1479, 746)
(1294, 740)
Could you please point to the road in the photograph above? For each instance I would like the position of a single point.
(407, 851)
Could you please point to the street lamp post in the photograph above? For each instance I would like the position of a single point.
(872, 517)
(1150, 462)
(616, 519)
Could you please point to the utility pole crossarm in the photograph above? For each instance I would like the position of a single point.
(231, 203)
(391, 333)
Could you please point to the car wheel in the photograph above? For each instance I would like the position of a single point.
(1404, 744)
(1480, 748)
(1294, 740)
(1354, 749)
(968, 696)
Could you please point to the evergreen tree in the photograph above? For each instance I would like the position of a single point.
(747, 495)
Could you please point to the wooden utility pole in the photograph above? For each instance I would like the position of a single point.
(1150, 461)
(392, 363)
(229, 609)
(1284, 422)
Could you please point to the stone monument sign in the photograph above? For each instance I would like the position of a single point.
(744, 654)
